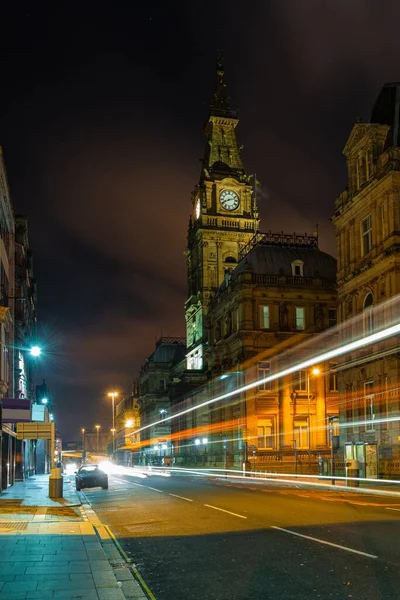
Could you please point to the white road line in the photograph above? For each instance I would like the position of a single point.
(181, 497)
(155, 489)
(388, 508)
(313, 539)
(226, 511)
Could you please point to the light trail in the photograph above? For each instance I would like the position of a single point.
(325, 356)
(298, 479)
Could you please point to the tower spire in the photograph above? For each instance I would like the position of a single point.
(220, 105)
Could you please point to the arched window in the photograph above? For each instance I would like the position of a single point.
(230, 259)
(368, 314)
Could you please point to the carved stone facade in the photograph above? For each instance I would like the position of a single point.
(367, 223)
(259, 314)
(224, 219)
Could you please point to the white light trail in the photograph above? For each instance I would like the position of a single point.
(325, 356)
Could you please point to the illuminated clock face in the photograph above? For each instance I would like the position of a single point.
(197, 209)
(229, 199)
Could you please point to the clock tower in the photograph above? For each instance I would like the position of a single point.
(224, 219)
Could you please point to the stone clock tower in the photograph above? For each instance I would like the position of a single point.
(224, 218)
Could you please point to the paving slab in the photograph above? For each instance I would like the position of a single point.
(58, 553)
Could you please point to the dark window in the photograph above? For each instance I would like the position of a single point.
(332, 317)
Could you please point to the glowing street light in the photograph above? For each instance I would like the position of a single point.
(129, 423)
(44, 400)
(97, 429)
(314, 371)
(35, 351)
(113, 395)
(83, 443)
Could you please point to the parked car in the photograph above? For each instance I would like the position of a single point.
(91, 476)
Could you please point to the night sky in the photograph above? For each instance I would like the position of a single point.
(101, 113)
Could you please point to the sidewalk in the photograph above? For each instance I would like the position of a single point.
(58, 548)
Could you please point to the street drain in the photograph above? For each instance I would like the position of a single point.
(141, 527)
(14, 525)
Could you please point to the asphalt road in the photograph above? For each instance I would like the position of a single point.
(192, 538)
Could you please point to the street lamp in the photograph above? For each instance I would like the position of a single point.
(83, 443)
(113, 395)
(35, 351)
(129, 423)
(97, 429)
(113, 437)
(314, 371)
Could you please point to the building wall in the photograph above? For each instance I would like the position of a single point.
(367, 223)
(244, 348)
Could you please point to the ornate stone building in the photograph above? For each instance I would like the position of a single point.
(156, 378)
(281, 294)
(224, 219)
(367, 223)
(250, 297)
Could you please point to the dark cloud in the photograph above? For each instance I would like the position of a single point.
(101, 115)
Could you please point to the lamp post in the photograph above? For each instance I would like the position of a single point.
(113, 438)
(315, 371)
(113, 395)
(97, 429)
(83, 443)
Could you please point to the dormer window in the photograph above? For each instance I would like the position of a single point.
(297, 268)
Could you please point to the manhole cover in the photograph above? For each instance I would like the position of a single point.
(15, 525)
(141, 527)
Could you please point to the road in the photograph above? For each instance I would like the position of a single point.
(194, 538)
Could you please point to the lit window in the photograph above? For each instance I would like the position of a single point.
(264, 317)
(297, 268)
(265, 433)
(194, 360)
(300, 324)
(300, 381)
(300, 433)
(366, 234)
(264, 370)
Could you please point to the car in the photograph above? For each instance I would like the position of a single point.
(90, 476)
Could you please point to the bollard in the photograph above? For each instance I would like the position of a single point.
(56, 483)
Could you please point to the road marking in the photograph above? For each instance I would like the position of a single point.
(388, 508)
(155, 489)
(313, 539)
(181, 497)
(130, 564)
(125, 481)
(226, 511)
